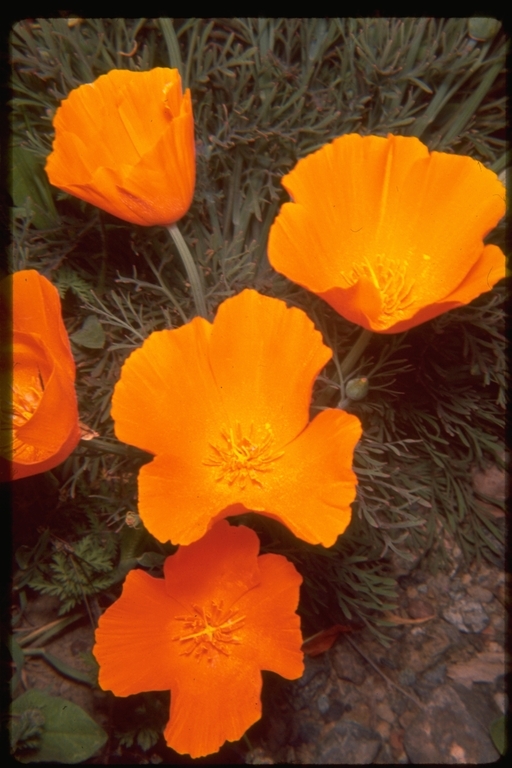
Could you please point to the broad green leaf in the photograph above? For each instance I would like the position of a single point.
(69, 735)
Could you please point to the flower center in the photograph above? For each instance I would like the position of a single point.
(390, 278)
(208, 630)
(240, 457)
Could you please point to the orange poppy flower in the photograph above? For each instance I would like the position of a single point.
(225, 408)
(40, 428)
(387, 233)
(126, 144)
(220, 616)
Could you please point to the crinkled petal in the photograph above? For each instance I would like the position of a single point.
(229, 566)
(265, 358)
(52, 432)
(271, 637)
(383, 216)
(212, 704)
(126, 144)
(166, 401)
(134, 646)
(309, 488)
(312, 485)
(40, 423)
(179, 497)
(37, 309)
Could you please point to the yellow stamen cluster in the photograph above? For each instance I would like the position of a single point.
(240, 458)
(208, 630)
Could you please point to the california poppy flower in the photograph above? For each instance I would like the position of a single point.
(224, 406)
(220, 616)
(40, 426)
(126, 144)
(387, 233)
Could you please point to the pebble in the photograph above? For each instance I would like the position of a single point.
(385, 712)
(383, 728)
(501, 700)
(445, 732)
(348, 664)
(343, 712)
(435, 676)
(419, 609)
(323, 703)
(347, 743)
(480, 594)
(467, 616)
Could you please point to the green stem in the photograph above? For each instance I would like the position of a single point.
(190, 268)
(348, 362)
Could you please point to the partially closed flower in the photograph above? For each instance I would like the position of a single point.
(224, 406)
(387, 233)
(220, 616)
(126, 144)
(40, 425)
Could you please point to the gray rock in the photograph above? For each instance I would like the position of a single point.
(479, 702)
(435, 676)
(258, 756)
(467, 616)
(347, 664)
(336, 711)
(480, 594)
(347, 743)
(323, 703)
(407, 677)
(385, 756)
(445, 732)
(308, 732)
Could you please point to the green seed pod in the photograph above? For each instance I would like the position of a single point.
(480, 28)
(356, 389)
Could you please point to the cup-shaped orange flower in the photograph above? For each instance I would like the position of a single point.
(220, 616)
(224, 406)
(126, 144)
(40, 423)
(387, 233)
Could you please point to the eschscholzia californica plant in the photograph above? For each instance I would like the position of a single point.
(40, 423)
(387, 233)
(125, 143)
(220, 616)
(224, 407)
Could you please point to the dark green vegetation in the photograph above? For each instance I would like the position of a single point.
(265, 92)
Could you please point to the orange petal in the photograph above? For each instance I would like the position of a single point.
(313, 484)
(389, 228)
(222, 565)
(51, 431)
(134, 645)
(37, 309)
(259, 595)
(166, 400)
(271, 636)
(41, 428)
(210, 707)
(214, 571)
(265, 358)
(179, 498)
(126, 144)
(221, 614)
(309, 488)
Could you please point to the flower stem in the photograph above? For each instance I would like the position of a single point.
(348, 362)
(190, 268)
